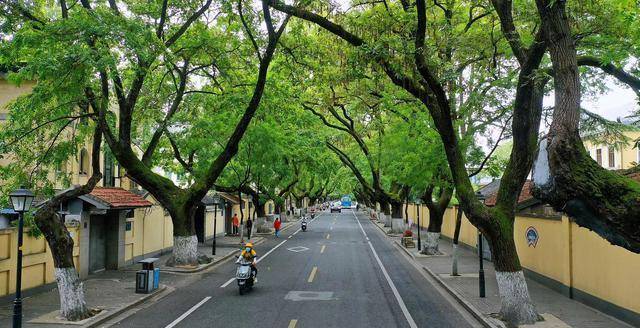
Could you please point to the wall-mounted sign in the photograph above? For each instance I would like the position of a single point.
(532, 236)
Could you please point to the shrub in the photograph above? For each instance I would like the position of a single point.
(407, 233)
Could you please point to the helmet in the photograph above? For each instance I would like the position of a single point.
(249, 244)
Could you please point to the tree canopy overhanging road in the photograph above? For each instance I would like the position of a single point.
(388, 101)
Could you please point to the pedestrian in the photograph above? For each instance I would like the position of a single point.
(236, 223)
(249, 226)
(276, 225)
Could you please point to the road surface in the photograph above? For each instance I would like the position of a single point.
(341, 272)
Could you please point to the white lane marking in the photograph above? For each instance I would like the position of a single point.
(258, 260)
(228, 282)
(403, 307)
(191, 310)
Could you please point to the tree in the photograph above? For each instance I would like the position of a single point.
(565, 176)
(420, 78)
(40, 138)
(117, 59)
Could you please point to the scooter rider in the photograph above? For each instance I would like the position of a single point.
(250, 255)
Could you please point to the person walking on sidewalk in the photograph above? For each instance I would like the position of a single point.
(236, 223)
(276, 225)
(249, 226)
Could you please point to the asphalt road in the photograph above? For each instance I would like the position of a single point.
(341, 272)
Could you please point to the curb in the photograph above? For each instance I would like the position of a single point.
(292, 223)
(202, 267)
(468, 306)
(127, 307)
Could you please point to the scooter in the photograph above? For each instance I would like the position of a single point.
(244, 276)
(304, 224)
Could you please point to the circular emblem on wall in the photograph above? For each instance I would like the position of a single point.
(532, 236)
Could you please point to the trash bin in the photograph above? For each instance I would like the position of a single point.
(156, 278)
(147, 279)
(144, 281)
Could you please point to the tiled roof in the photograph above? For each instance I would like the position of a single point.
(525, 194)
(117, 198)
(229, 197)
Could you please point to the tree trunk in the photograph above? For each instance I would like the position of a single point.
(397, 225)
(564, 174)
(516, 305)
(185, 241)
(73, 306)
(432, 237)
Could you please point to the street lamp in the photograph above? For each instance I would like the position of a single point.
(21, 200)
(481, 282)
(419, 203)
(216, 200)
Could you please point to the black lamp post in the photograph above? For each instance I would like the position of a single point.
(419, 204)
(21, 200)
(481, 282)
(216, 200)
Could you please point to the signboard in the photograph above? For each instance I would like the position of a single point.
(531, 234)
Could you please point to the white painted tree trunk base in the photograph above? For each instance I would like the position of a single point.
(430, 246)
(73, 306)
(263, 225)
(397, 225)
(185, 251)
(383, 218)
(516, 306)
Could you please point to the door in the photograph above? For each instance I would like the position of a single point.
(228, 224)
(97, 244)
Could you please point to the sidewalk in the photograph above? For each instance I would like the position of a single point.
(113, 291)
(558, 310)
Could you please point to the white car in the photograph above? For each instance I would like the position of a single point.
(336, 207)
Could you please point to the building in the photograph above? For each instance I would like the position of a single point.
(623, 156)
(116, 224)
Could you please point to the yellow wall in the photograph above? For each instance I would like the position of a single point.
(566, 253)
(151, 231)
(37, 262)
(605, 271)
(210, 219)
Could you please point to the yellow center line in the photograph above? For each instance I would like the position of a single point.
(322, 249)
(328, 235)
(293, 323)
(313, 274)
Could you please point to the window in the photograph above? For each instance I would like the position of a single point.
(109, 179)
(599, 156)
(612, 157)
(84, 161)
(127, 226)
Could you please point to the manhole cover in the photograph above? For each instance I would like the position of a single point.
(309, 296)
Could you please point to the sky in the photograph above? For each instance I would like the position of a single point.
(618, 102)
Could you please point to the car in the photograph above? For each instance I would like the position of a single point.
(336, 207)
